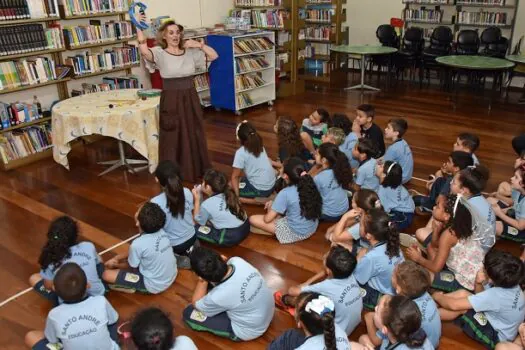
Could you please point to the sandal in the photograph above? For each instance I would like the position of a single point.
(278, 297)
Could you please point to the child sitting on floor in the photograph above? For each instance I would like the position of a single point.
(376, 265)
(294, 214)
(231, 298)
(503, 196)
(494, 313)
(62, 247)
(394, 197)
(513, 227)
(365, 177)
(82, 322)
(314, 127)
(335, 282)
(290, 143)
(149, 267)
(365, 115)
(399, 151)
(220, 219)
(335, 136)
(333, 181)
(251, 158)
(177, 203)
(352, 134)
(152, 329)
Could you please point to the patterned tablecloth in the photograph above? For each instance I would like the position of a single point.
(131, 120)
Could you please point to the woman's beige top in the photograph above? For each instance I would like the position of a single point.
(176, 66)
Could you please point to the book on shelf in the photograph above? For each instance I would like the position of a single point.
(482, 2)
(27, 9)
(433, 2)
(258, 2)
(317, 49)
(250, 63)
(26, 38)
(16, 113)
(317, 68)
(319, 15)
(248, 81)
(93, 61)
(482, 17)
(97, 32)
(318, 2)
(23, 142)
(24, 72)
(424, 15)
(242, 46)
(201, 82)
(243, 100)
(85, 7)
(108, 84)
(319, 32)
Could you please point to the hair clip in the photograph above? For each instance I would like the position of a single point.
(155, 339)
(304, 173)
(456, 205)
(55, 237)
(390, 224)
(238, 127)
(471, 167)
(390, 167)
(320, 306)
(377, 204)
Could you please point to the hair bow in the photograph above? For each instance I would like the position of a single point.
(320, 306)
(390, 167)
(237, 129)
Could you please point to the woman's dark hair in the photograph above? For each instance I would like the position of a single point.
(378, 224)
(338, 162)
(504, 269)
(250, 139)
(310, 199)
(341, 121)
(162, 29)
(460, 222)
(367, 199)
(402, 318)
(208, 264)
(368, 147)
(151, 329)
(168, 175)
(61, 235)
(341, 262)
(325, 116)
(393, 174)
(315, 323)
(289, 137)
(474, 178)
(219, 184)
(151, 218)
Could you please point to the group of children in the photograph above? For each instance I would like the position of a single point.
(329, 169)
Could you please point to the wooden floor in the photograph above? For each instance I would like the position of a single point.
(32, 196)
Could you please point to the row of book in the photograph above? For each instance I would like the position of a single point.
(281, 59)
(269, 18)
(21, 143)
(97, 32)
(248, 81)
(317, 68)
(38, 70)
(316, 49)
(436, 2)
(85, 7)
(243, 100)
(29, 38)
(320, 15)
(317, 2)
(482, 2)
(108, 84)
(201, 82)
(243, 46)
(319, 33)
(92, 62)
(283, 37)
(25, 9)
(12, 114)
(250, 63)
(482, 17)
(258, 2)
(424, 15)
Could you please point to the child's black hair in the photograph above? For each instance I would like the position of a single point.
(168, 175)
(61, 235)
(413, 279)
(368, 147)
(393, 174)
(289, 137)
(151, 218)
(474, 178)
(470, 141)
(310, 199)
(338, 162)
(219, 184)
(343, 122)
(250, 138)
(400, 125)
(70, 283)
(369, 110)
(341, 262)
(402, 317)
(504, 269)
(460, 221)
(316, 324)
(208, 264)
(461, 159)
(378, 224)
(367, 199)
(325, 116)
(152, 329)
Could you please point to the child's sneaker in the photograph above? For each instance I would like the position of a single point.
(278, 297)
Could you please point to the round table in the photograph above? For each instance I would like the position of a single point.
(520, 61)
(363, 51)
(120, 114)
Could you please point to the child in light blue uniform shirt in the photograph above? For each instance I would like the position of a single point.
(220, 218)
(333, 181)
(62, 247)
(394, 197)
(513, 227)
(81, 322)
(352, 132)
(364, 152)
(399, 151)
(251, 158)
(150, 253)
(293, 216)
(374, 269)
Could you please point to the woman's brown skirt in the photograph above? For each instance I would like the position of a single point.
(181, 135)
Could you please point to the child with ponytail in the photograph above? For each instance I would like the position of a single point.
(177, 203)
(62, 247)
(332, 181)
(251, 158)
(365, 152)
(394, 197)
(375, 267)
(294, 214)
(290, 143)
(220, 218)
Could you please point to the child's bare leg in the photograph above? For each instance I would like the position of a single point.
(33, 337)
(259, 226)
(423, 233)
(307, 140)
(499, 228)
(449, 315)
(504, 189)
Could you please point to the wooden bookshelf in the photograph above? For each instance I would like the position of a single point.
(29, 54)
(17, 163)
(23, 125)
(108, 71)
(28, 21)
(92, 15)
(105, 43)
(29, 87)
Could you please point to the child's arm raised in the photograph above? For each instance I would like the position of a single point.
(436, 264)
(340, 233)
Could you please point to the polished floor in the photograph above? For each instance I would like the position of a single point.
(32, 196)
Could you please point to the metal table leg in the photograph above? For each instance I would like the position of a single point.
(123, 161)
(362, 86)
